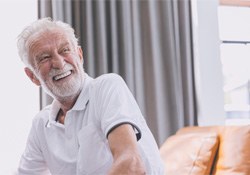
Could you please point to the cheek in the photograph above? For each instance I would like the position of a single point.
(43, 71)
(74, 61)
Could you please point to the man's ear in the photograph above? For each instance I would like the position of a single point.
(32, 76)
(80, 53)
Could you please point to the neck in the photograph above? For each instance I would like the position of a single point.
(60, 117)
(65, 107)
(67, 103)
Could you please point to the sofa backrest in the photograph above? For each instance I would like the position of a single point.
(216, 150)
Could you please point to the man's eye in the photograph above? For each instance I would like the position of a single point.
(44, 58)
(66, 50)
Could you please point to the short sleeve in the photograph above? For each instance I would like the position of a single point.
(116, 105)
(32, 159)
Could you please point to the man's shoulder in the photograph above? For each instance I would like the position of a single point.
(42, 116)
(108, 79)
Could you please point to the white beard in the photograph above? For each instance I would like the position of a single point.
(66, 90)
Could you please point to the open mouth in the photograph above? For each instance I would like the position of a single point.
(63, 75)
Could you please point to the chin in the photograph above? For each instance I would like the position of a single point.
(68, 90)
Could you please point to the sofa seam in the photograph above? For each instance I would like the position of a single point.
(197, 155)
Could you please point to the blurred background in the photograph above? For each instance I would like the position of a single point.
(19, 98)
(186, 61)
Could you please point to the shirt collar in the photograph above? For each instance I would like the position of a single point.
(81, 101)
(83, 98)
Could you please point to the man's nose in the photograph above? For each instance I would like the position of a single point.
(58, 61)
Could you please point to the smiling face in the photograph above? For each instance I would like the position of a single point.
(57, 64)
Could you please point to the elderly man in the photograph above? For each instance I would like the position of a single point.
(93, 126)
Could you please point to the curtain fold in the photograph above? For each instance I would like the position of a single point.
(149, 43)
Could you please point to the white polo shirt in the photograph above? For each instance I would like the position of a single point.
(80, 146)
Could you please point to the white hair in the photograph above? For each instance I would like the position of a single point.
(35, 29)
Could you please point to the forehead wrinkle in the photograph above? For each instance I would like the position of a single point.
(46, 41)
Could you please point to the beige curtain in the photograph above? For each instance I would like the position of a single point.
(149, 43)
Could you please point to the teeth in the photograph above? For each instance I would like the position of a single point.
(62, 75)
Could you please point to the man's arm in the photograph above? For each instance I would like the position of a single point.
(32, 160)
(123, 145)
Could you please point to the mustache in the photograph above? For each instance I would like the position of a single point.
(53, 72)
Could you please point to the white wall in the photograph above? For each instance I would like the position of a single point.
(208, 69)
(19, 98)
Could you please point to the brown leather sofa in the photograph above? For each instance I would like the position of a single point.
(216, 150)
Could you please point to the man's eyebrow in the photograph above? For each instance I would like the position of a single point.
(64, 44)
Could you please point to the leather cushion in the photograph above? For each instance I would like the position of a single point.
(234, 151)
(191, 153)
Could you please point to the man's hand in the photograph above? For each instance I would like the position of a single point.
(123, 145)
